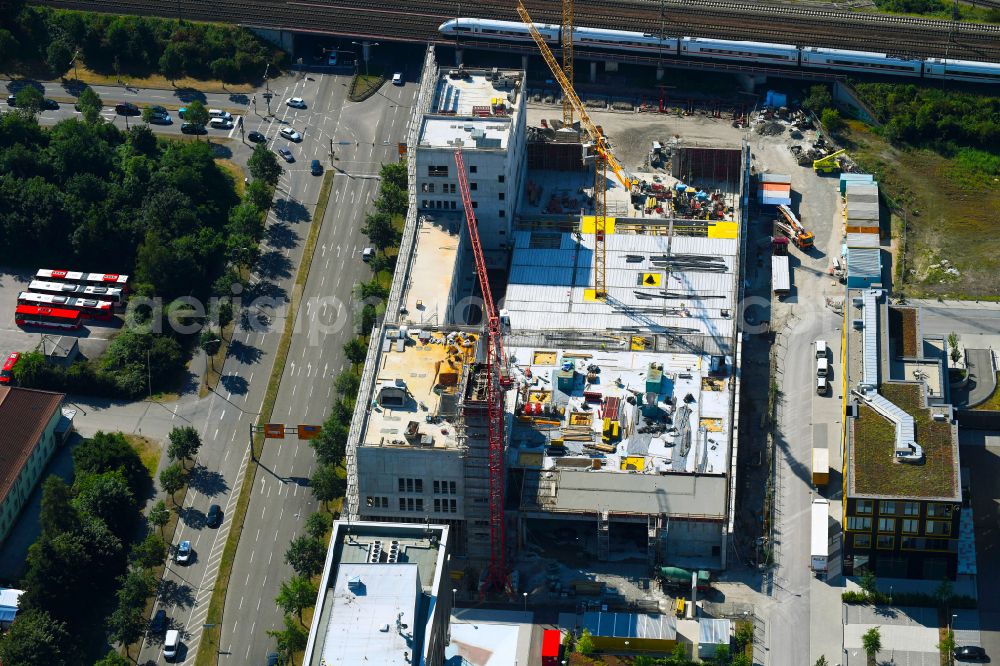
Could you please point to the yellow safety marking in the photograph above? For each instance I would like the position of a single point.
(590, 296)
(723, 230)
(588, 225)
(638, 343)
(650, 279)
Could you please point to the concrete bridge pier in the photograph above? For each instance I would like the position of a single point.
(659, 73)
(748, 82)
(459, 54)
(593, 72)
(524, 62)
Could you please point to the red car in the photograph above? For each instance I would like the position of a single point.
(7, 374)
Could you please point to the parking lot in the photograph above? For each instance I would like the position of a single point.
(93, 337)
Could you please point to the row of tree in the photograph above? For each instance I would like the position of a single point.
(34, 37)
(87, 576)
(938, 118)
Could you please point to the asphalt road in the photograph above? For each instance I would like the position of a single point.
(980, 453)
(281, 501)
(963, 317)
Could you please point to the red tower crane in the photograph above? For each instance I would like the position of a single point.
(498, 379)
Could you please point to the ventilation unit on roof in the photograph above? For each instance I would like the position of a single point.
(858, 302)
(858, 324)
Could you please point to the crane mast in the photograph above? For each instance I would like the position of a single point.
(498, 379)
(605, 159)
(567, 44)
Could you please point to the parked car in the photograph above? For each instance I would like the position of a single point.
(49, 104)
(192, 128)
(161, 119)
(970, 653)
(221, 123)
(214, 517)
(286, 154)
(170, 644)
(290, 134)
(12, 100)
(296, 102)
(368, 254)
(397, 79)
(159, 622)
(183, 555)
(315, 168)
(127, 109)
(158, 110)
(256, 137)
(219, 113)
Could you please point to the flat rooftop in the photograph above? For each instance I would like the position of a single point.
(432, 271)
(463, 96)
(472, 110)
(671, 412)
(468, 133)
(872, 468)
(679, 285)
(380, 587)
(418, 383)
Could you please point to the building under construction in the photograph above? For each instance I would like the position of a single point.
(621, 407)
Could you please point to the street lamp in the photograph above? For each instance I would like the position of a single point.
(454, 591)
(524, 595)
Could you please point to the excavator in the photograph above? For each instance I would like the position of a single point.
(789, 225)
(828, 164)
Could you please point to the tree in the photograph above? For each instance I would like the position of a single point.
(380, 230)
(956, 353)
(394, 174)
(172, 480)
(111, 452)
(832, 121)
(643, 660)
(822, 661)
(947, 645)
(331, 444)
(868, 582)
(372, 290)
(90, 105)
(871, 643)
(247, 220)
(317, 524)
(585, 644)
(58, 514)
(263, 165)
(209, 342)
(159, 515)
(126, 625)
(295, 595)
(392, 199)
(356, 350)
(819, 98)
(348, 383)
(943, 592)
(29, 99)
(150, 552)
(196, 113)
(35, 638)
(741, 659)
(291, 639)
(59, 56)
(134, 587)
(172, 62)
(259, 194)
(306, 555)
(722, 655)
(184, 443)
(679, 654)
(326, 484)
(744, 634)
(112, 658)
(107, 497)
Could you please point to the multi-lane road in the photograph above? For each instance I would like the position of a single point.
(364, 136)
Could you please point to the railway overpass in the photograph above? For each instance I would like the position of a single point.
(418, 21)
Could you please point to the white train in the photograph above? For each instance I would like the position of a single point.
(745, 52)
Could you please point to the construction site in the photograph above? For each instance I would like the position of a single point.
(555, 375)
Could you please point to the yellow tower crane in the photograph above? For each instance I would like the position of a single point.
(605, 159)
(567, 44)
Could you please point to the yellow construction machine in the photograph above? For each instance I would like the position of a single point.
(828, 164)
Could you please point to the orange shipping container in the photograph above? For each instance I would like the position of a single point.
(776, 187)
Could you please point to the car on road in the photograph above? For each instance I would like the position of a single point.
(161, 119)
(368, 254)
(290, 134)
(219, 113)
(7, 373)
(127, 109)
(296, 102)
(221, 123)
(171, 643)
(182, 111)
(315, 168)
(272, 659)
(49, 104)
(214, 517)
(256, 137)
(183, 555)
(12, 100)
(159, 622)
(397, 79)
(332, 58)
(192, 128)
(970, 653)
(286, 154)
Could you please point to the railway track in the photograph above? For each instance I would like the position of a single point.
(408, 20)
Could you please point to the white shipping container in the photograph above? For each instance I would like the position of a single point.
(781, 278)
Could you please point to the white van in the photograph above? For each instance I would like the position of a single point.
(170, 644)
(219, 113)
(822, 367)
(821, 349)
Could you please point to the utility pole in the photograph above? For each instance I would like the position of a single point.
(267, 89)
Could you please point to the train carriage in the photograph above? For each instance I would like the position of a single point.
(746, 52)
(962, 70)
(861, 61)
(503, 30)
(620, 40)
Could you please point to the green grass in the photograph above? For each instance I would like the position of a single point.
(993, 402)
(208, 650)
(148, 451)
(972, 169)
(364, 86)
(875, 472)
